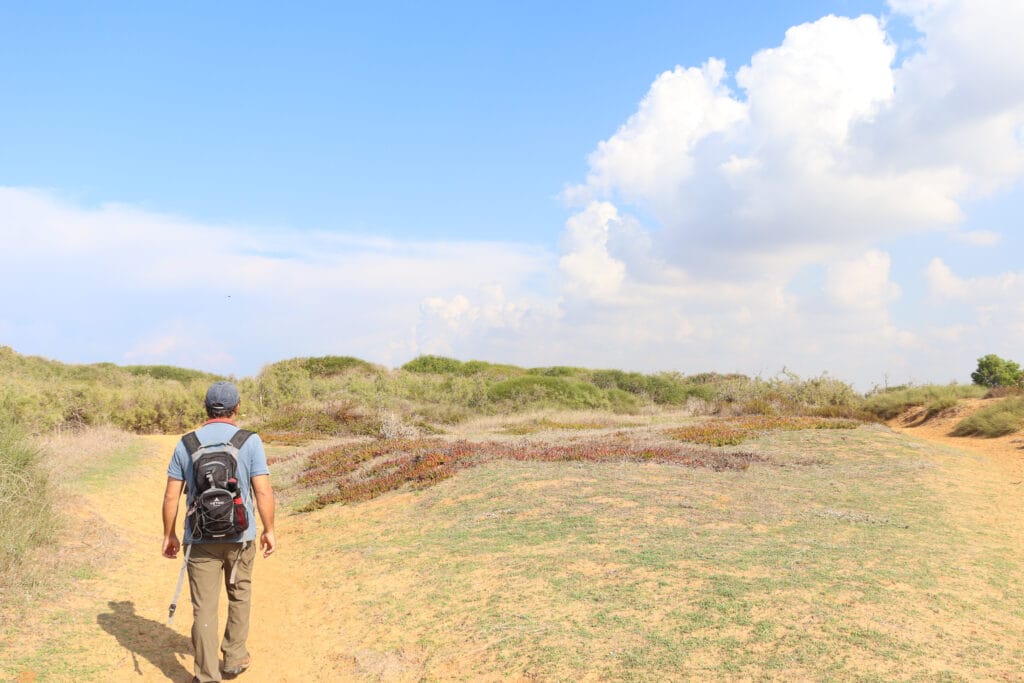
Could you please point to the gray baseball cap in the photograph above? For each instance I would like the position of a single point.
(222, 396)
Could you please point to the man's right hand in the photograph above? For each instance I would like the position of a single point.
(268, 544)
(171, 546)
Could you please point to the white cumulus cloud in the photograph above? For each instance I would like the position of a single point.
(589, 269)
(862, 283)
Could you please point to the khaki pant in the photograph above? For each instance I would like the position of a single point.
(209, 567)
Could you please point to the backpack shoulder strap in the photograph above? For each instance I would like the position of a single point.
(191, 442)
(240, 438)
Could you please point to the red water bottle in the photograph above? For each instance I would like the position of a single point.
(240, 520)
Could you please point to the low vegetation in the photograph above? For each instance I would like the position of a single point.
(329, 396)
(999, 419)
(890, 403)
(297, 401)
(736, 431)
(628, 525)
(362, 471)
(26, 512)
(432, 392)
(41, 395)
(832, 555)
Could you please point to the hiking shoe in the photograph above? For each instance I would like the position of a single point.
(238, 668)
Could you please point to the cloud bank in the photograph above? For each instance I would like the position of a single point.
(768, 198)
(116, 283)
(738, 221)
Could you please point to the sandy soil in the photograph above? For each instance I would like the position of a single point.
(993, 479)
(128, 599)
(1006, 453)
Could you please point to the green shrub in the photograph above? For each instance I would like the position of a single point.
(283, 384)
(319, 420)
(26, 508)
(492, 370)
(668, 388)
(622, 401)
(890, 403)
(998, 419)
(559, 371)
(39, 395)
(182, 375)
(534, 390)
(633, 382)
(939, 404)
(665, 388)
(438, 365)
(716, 378)
(329, 366)
(165, 407)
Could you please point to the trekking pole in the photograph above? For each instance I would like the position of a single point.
(177, 591)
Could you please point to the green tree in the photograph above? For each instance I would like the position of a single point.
(994, 371)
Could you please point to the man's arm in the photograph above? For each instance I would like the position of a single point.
(264, 494)
(170, 514)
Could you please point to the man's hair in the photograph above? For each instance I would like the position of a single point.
(219, 412)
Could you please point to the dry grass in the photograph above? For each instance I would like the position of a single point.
(70, 454)
(840, 555)
(1006, 416)
(730, 432)
(549, 421)
(79, 541)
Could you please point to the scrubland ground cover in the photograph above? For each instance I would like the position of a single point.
(834, 554)
(332, 396)
(455, 520)
(839, 554)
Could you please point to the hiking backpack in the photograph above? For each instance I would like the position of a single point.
(218, 511)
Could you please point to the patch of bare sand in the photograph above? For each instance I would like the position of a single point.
(994, 477)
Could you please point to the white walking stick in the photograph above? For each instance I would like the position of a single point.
(177, 591)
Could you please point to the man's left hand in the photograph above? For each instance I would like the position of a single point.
(171, 546)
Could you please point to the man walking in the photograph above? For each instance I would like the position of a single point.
(223, 559)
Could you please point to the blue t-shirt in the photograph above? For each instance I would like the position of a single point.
(252, 462)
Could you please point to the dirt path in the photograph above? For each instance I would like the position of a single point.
(1005, 453)
(995, 475)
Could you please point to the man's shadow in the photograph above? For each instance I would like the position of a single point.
(146, 638)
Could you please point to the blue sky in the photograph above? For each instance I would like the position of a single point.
(350, 116)
(537, 183)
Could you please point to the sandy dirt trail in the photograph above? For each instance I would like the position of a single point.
(994, 475)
